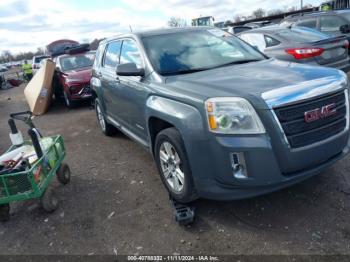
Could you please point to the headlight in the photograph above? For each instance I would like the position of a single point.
(232, 115)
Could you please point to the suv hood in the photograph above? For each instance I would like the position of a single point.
(82, 75)
(262, 83)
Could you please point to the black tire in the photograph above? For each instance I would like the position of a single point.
(63, 174)
(172, 136)
(106, 127)
(4, 212)
(49, 201)
(69, 102)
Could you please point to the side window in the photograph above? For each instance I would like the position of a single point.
(255, 40)
(331, 23)
(111, 57)
(98, 56)
(130, 54)
(270, 41)
(310, 23)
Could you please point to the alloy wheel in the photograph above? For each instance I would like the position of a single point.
(171, 167)
(100, 117)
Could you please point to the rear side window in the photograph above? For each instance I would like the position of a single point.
(130, 53)
(331, 23)
(255, 40)
(98, 56)
(111, 57)
(270, 41)
(311, 23)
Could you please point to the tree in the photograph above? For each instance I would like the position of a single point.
(177, 22)
(259, 13)
(292, 9)
(237, 18)
(275, 12)
(307, 6)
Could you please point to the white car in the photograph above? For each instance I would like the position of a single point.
(36, 62)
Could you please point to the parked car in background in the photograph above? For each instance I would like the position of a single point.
(221, 120)
(237, 29)
(258, 24)
(72, 76)
(334, 23)
(36, 62)
(3, 68)
(300, 45)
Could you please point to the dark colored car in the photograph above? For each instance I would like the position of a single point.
(334, 23)
(300, 45)
(221, 120)
(72, 77)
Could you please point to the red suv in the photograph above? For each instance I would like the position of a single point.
(72, 76)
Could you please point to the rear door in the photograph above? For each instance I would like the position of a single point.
(107, 75)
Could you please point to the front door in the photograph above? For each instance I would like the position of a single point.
(133, 91)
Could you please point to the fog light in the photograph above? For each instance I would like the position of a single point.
(238, 166)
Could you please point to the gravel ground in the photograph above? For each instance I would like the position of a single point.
(116, 202)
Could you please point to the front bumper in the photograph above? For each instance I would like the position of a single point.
(82, 94)
(213, 174)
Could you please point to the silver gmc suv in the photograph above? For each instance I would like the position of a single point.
(222, 120)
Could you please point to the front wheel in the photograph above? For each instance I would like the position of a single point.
(49, 201)
(173, 165)
(69, 103)
(63, 174)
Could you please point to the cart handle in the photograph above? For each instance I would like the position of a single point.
(25, 116)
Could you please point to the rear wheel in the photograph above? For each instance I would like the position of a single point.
(106, 128)
(4, 212)
(173, 166)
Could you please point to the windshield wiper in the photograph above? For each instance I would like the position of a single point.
(245, 61)
(185, 71)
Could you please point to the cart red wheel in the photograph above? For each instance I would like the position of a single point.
(4, 212)
(49, 201)
(63, 174)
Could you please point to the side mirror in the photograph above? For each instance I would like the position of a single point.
(344, 29)
(129, 69)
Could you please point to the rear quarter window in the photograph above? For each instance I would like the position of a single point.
(270, 41)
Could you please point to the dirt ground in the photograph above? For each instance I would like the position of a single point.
(117, 203)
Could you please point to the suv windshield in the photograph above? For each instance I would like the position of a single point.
(74, 62)
(186, 52)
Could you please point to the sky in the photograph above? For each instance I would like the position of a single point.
(26, 25)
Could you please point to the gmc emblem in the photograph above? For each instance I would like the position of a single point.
(319, 113)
